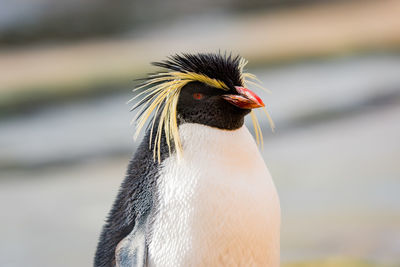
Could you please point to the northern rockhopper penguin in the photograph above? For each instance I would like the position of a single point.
(197, 191)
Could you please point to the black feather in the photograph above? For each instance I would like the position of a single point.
(223, 67)
(133, 204)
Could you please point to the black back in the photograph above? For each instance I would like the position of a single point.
(133, 204)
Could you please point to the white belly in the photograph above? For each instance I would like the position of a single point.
(218, 206)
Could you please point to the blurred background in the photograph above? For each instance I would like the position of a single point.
(66, 73)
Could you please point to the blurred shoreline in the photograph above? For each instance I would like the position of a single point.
(104, 120)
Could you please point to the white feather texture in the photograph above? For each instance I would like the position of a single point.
(218, 206)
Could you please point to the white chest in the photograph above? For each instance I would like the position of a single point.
(218, 206)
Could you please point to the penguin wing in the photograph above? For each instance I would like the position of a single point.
(132, 250)
(124, 233)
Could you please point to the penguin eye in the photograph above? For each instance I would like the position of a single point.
(198, 96)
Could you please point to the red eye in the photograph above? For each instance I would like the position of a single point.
(198, 96)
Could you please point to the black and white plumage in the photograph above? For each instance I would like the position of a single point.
(197, 192)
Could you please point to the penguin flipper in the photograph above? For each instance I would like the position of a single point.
(131, 207)
(132, 250)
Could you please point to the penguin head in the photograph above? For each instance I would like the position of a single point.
(223, 104)
(206, 89)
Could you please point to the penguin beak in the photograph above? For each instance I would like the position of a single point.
(245, 99)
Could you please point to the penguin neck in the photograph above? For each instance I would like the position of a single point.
(223, 145)
(199, 138)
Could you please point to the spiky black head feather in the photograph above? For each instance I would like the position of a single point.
(222, 67)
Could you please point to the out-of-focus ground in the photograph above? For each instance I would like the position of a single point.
(334, 73)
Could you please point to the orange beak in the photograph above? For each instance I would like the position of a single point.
(245, 99)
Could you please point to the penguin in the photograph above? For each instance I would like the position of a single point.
(197, 191)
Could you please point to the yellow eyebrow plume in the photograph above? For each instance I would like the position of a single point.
(160, 99)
